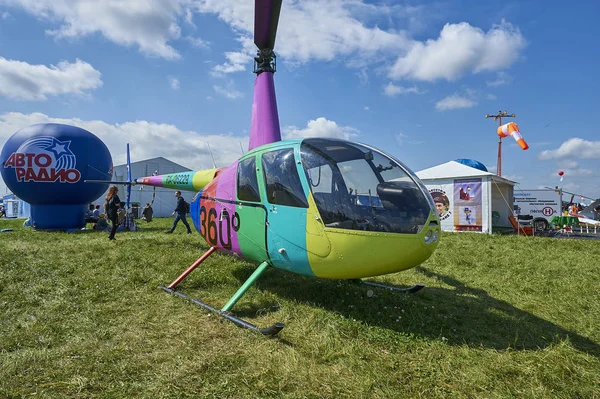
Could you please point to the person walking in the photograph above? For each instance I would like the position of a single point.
(179, 213)
(111, 207)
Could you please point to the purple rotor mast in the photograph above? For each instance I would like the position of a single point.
(264, 127)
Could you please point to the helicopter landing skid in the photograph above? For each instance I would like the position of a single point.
(269, 331)
(410, 290)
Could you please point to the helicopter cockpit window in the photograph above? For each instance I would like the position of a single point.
(247, 184)
(359, 188)
(281, 176)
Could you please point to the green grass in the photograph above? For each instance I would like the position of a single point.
(501, 316)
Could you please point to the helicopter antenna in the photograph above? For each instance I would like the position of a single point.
(499, 117)
(241, 148)
(211, 155)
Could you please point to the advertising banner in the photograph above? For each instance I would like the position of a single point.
(467, 205)
(442, 196)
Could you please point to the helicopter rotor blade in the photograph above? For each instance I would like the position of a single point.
(266, 18)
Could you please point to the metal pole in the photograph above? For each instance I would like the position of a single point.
(499, 168)
(499, 117)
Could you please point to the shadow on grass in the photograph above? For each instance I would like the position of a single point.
(462, 315)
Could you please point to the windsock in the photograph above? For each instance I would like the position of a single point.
(511, 129)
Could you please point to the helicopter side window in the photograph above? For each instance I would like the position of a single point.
(281, 176)
(247, 184)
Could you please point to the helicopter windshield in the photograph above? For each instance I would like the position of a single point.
(358, 188)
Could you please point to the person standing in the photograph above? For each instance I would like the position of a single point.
(89, 215)
(179, 213)
(147, 213)
(111, 207)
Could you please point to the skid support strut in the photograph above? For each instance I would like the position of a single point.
(192, 267)
(242, 290)
(224, 312)
(409, 290)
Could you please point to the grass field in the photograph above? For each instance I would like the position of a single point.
(501, 316)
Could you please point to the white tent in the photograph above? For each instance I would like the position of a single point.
(469, 199)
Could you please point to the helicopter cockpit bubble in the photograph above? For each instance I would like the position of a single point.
(359, 188)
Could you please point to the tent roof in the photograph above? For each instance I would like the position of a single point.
(453, 169)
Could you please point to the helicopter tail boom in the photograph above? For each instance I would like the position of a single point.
(186, 181)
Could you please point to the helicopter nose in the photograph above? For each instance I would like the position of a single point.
(358, 254)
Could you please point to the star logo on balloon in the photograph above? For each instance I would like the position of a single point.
(59, 148)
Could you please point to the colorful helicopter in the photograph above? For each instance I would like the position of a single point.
(319, 207)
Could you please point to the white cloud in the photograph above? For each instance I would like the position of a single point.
(228, 91)
(189, 18)
(22, 81)
(454, 101)
(173, 82)
(366, 108)
(197, 42)
(392, 90)
(236, 62)
(570, 164)
(363, 77)
(309, 30)
(460, 49)
(320, 127)
(187, 148)
(574, 147)
(401, 138)
(4, 15)
(148, 24)
(502, 78)
(491, 97)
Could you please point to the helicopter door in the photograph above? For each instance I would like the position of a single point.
(287, 208)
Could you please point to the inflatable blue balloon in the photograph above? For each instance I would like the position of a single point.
(46, 165)
(472, 163)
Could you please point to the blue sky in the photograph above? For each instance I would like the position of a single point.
(412, 78)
